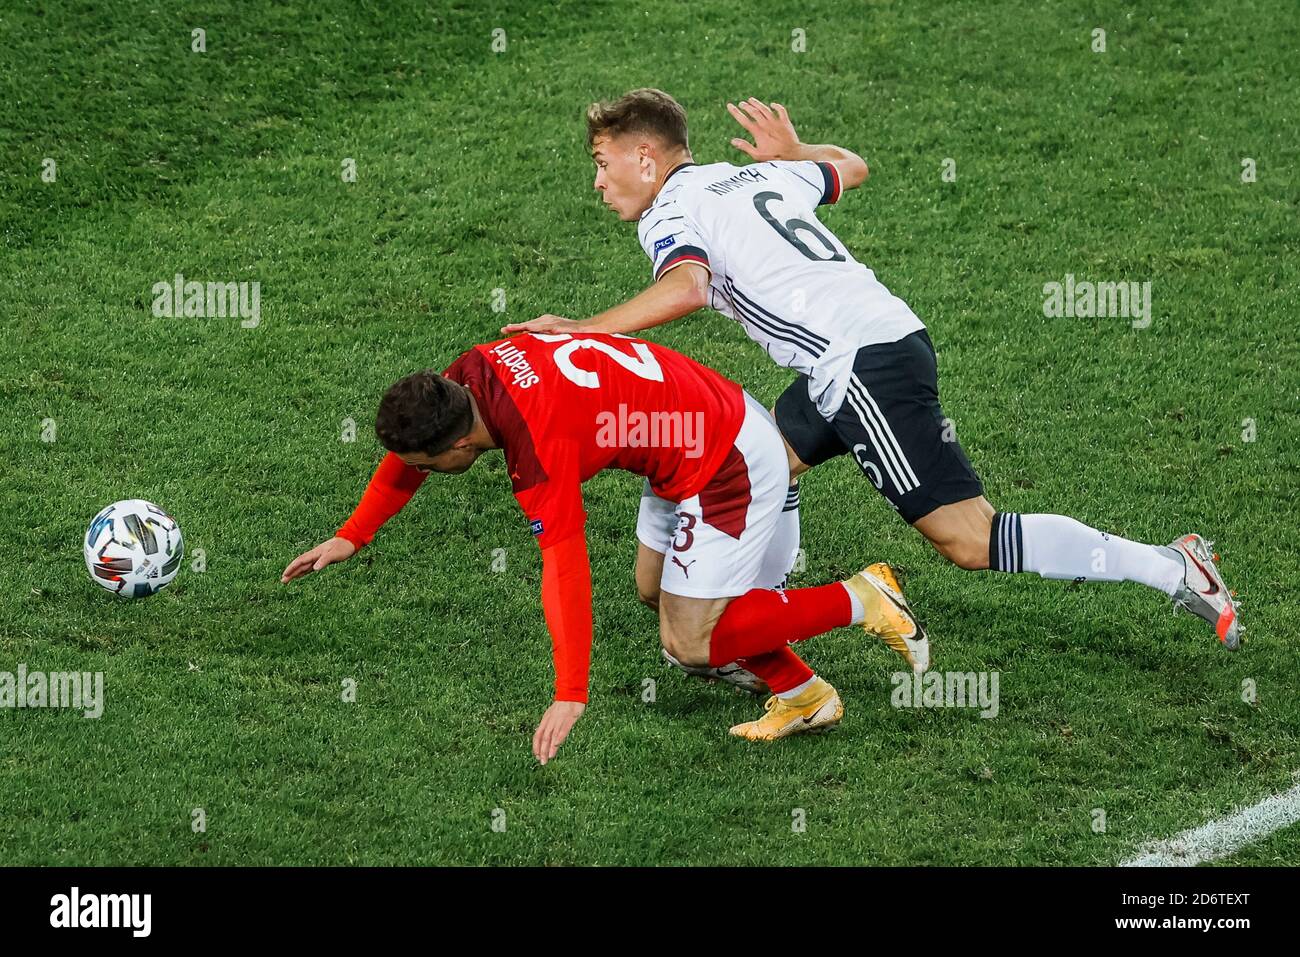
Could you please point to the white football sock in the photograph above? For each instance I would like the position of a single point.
(797, 690)
(1055, 546)
(859, 612)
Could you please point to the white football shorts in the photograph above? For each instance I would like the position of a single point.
(717, 544)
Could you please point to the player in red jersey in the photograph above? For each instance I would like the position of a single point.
(564, 407)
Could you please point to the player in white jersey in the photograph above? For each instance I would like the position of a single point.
(773, 268)
(747, 241)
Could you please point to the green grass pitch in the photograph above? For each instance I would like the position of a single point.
(224, 692)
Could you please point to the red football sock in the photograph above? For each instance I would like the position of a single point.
(781, 669)
(762, 620)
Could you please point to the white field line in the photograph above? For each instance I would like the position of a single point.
(1224, 836)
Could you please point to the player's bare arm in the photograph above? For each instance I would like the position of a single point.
(631, 170)
(775, 139)
(678, 293)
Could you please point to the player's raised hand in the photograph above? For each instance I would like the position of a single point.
(547, 323)
(555, 727)
(326, 553)
(770, 126)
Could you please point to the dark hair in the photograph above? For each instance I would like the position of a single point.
(640, 111)
(423, 413)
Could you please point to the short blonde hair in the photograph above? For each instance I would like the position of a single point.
(640, 111)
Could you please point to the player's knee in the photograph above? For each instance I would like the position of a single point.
(648, 596)
(969, 552)
(687, 649)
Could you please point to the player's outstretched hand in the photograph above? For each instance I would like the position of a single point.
(555, 726)
(774, 135)
(326, 553)
(547, 323)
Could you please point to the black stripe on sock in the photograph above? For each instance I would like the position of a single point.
(791, 498)
(993, 541)
(1005, 542)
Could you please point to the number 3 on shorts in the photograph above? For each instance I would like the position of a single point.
(685, 522)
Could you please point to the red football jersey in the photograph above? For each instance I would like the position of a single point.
(564, 406)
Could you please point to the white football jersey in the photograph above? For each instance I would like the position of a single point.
(776, 270)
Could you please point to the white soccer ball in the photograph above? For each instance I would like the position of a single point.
(133, 548)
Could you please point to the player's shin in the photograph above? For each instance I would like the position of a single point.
(1055, 546)
(783, 670)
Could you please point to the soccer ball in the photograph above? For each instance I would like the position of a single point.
(133, 548)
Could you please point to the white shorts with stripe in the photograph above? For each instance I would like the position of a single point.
(717, 544)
